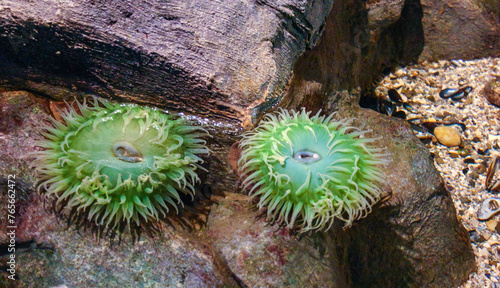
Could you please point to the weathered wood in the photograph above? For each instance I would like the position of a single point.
(208, 58)
(214, 60)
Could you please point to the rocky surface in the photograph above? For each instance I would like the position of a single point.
(263, 255)
(468, 29)
(414, 238)
(463, 168)
(56, 256)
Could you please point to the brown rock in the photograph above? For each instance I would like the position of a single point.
(61, 256)
(492, 91)
(262, 255)
(418, 222)
(446, 25)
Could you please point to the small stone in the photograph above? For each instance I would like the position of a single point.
(491, 224)
(447, 136)
(438, 159)
(467, 145)
(463, 152)
(492, 92)
(468, 101)
(484, 253)
(480, 169)
(453, 153)
(476, 237)
(473, 175)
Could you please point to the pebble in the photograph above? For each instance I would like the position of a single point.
(491, 224)
(447, 136)
(492, 92)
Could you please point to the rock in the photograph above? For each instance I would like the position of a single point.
(20, 117)
(446, 25)
(262, 255)
(492, 224)
(417, 222)
(60, 256)
(492, 91)
(447, 136)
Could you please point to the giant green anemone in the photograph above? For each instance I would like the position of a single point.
(308, 171)
(115, 164)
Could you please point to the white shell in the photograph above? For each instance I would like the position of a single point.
(489, 207)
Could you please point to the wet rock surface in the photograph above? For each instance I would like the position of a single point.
(55, 255)
(466, 169)
(414, 238)
(262, 255)
(447, 24)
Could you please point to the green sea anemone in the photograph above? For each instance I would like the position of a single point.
(116, 164)
(311, 169)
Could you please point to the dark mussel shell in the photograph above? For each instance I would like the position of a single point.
(387, 107)
(416, 127)
(461, 125)
(408, 107)
(494, 165)
(429, 126)
(399, 114)
(455, 94)
(448, 92)
(394, 96)
(459, 95)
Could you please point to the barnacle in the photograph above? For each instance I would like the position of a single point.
(308, 171)
(115, 164)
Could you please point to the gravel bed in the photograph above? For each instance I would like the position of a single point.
(462, 168)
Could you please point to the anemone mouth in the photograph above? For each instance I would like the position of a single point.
(116, 164)
(307, 171)
(306, 157)
(127, 152)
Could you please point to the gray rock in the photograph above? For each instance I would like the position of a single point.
(56, 256)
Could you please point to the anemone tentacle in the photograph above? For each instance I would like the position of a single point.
(309, 170)
(116, 163)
